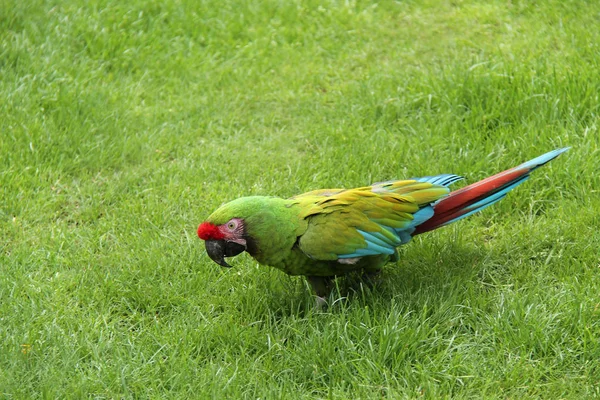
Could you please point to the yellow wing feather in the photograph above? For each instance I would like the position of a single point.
(336, 217)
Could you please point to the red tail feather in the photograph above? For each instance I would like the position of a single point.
(455, 204)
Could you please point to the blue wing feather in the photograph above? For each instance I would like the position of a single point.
(377, 243)
(443, 179)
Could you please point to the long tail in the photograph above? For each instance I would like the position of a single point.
(479, 195)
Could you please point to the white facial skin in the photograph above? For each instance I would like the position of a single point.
(233, 231)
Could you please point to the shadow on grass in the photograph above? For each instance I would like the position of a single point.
(424, 275)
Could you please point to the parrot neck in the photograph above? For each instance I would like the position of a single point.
(272, 229)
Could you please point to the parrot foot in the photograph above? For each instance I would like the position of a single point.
(321, 285)
(321, 304)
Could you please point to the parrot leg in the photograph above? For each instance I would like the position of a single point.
(372, 278)
(321, 285)
(321, 303)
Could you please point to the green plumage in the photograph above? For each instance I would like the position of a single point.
(319, 232)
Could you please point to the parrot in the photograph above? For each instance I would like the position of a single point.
(327, 233)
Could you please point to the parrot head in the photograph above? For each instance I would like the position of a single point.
(224, 240)
(264, 227)
(228, 231)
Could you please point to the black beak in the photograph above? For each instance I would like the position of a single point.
(217, 250)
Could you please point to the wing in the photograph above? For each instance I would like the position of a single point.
(371, 220)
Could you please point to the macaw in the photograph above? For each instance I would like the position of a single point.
(326, 233)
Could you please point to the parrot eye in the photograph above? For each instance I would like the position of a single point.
(232, 225)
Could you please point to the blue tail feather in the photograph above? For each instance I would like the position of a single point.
(543, 159)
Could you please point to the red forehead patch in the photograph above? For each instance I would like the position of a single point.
(208, 231)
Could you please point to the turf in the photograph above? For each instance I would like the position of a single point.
(124, 124)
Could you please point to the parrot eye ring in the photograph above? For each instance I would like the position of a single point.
(231, 225)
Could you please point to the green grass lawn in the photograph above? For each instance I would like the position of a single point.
(124, 124)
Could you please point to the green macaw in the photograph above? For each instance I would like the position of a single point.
(326, 233)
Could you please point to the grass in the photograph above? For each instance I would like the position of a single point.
(124, 124)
